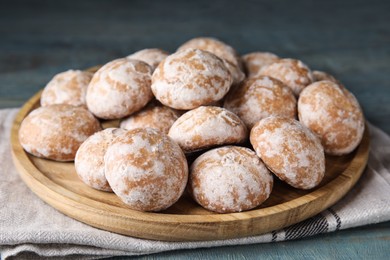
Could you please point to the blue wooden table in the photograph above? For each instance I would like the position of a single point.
(349, 39)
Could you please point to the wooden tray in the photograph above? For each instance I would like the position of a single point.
(57, 184)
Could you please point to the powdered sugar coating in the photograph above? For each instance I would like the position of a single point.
(290, 150)
(56, 132)
(207, 126)
(89, 161)
(224, 51)
(215, 46)
(237, 74)
(321, 75)
(334, 114)
(190, 78)
(152, 57)
(119, 88)
(229, 179)
(294, 73)
(260, 97)
(155, 116)
(254, 62)
(146, 169)
(69, 87)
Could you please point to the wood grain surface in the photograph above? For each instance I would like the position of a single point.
(349, 39)
(58, 184)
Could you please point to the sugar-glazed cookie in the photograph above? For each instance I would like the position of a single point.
(146, 169)
(155, 116)
(190, 78)
(56, 132)
(152, 57)
(207, 126)
(119, 88)
(229, 179)
(294, 73)
(254, 62)
(290, 150)
(334, 114)
(89, 161)
(224, 51)
(260, 97)
(69, 87)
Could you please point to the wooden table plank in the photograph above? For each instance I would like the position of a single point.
(350, 39)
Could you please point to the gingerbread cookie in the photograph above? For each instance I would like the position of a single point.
(56, 132)
(89, 161)
(229, 179)
(155, 116)
(334, 114)
(254, 62)
(290, 150)
(152, 57)
(146, 169)
(260, 97)
(190, 78)
(207, 126)
(69, 87)
(119, 88)
(294, 73)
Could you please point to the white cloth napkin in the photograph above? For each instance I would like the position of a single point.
(28, 225)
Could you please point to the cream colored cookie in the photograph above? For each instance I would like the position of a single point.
(294, 73)
(155, 116)
(69, 87)
(320, 76)
(257, 98)
(290, 150)
(207, 126)
(215, 46)
(237, 74)
(222, 50)
(146, 169)
(152, 57)
(254, 62)
(56, 132)
(119, 88)
(89, 161)
(334, 114)
(229, 179)
(190, 78)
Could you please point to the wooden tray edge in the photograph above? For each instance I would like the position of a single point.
(173, 227)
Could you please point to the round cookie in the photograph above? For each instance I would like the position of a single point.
(294, 73)
(56, 132)
(190, 78)
(152, 57)
(334, 114)
(254, 62)
(229, 179)
(69, 87)
(215, 46)
(260, 97)
(320, 75)
(146, 169)
(224, 51)
(89, 161)
(237, 74)
(119, 88)
(290, 150)
(207, 126)
(154, 116)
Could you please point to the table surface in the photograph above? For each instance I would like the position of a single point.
(349, 39)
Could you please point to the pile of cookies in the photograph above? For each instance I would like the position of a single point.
(237, 115)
